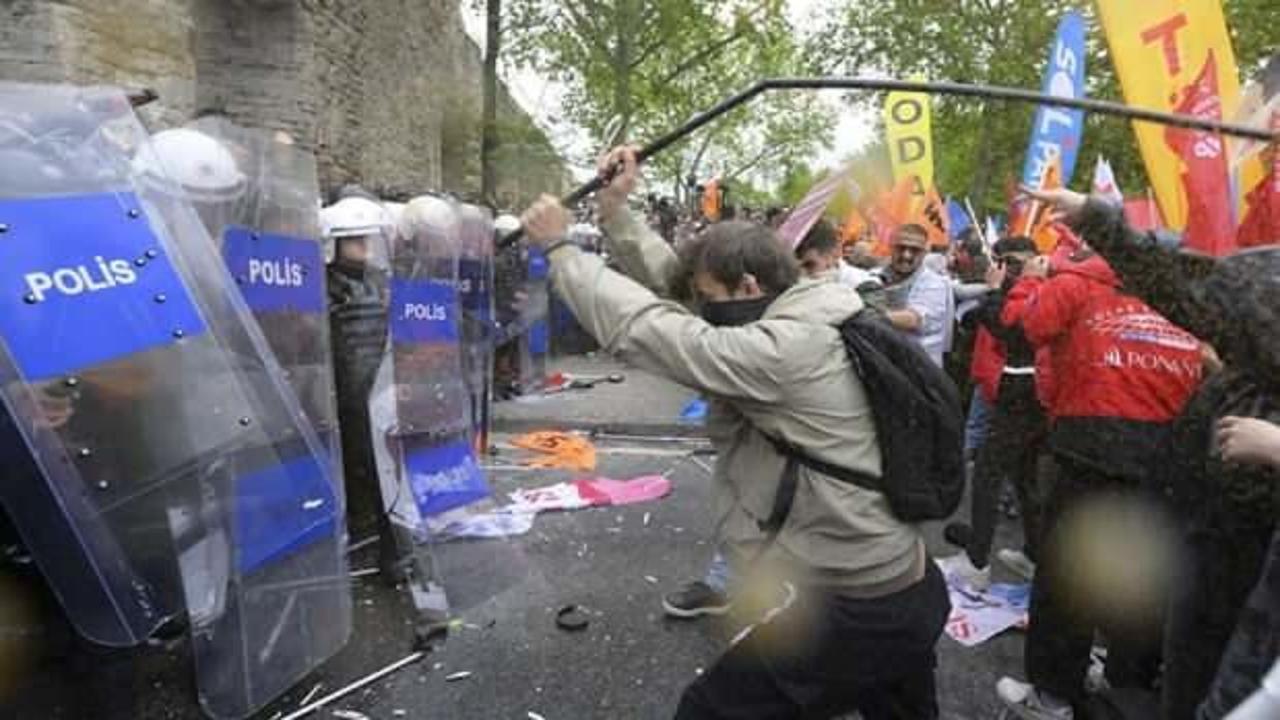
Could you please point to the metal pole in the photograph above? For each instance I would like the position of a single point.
(995, 92)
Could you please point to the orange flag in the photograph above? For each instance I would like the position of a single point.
(933, 216)
(854, 226)
(711, 200)
(1039, 228)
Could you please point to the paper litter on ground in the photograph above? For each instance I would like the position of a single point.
(517, 517)
(978, 615)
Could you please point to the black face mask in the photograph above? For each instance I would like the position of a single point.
(735, 313)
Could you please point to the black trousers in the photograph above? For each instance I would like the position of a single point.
(831, 655)
(1011, 453)
(1220, 570)
(1064, 619)
(1254, 645)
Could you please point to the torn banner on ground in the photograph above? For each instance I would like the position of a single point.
(517, 517)
(979, 615)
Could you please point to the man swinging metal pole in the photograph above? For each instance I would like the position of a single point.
(994, 92)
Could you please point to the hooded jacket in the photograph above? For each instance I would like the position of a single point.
(1121, 371)
(787, 375)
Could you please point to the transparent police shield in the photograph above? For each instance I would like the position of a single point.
(270, 244)
(157, 440)
(475, 292)
(421, 416)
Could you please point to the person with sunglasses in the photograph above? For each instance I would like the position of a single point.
(1012, 449)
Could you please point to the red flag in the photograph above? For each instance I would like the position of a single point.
(1261, 224)
(1205, 182)
(1143, 213)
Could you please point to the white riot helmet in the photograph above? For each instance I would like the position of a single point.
(428, 227)
(186, 164)
(355, 217)
(506, 224)
(190, 163)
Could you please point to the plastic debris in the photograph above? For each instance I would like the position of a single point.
(572, 618)
(455, 677)
(350, 715)
(651, 579)
(311, 695)
(646, 520)
(534, 716)
(306, 710)
(399, 712)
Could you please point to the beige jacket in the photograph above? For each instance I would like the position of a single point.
(787, 375)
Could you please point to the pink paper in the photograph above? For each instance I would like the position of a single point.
(624, 492)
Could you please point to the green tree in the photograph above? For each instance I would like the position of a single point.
(637, 68)
(980, 145)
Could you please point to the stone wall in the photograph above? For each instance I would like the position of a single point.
(387, 92)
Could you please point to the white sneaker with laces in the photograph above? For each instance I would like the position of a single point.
(1024, 701)
(1018, 562)
(961, 569)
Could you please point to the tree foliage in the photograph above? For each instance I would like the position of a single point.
(979, 146)
(637, 68)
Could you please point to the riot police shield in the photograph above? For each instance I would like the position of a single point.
(475, 291)
(158, 436)
(268, 235)
(420, 411)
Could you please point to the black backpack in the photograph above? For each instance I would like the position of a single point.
(919, 426)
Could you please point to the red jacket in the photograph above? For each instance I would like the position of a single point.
(1111, 355)
(987, 364)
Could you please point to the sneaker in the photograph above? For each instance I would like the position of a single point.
(1018, 562)
(960, 569)
(1025, 702)
(695, 600)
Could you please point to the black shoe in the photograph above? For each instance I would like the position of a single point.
(695, 600)
(958, 534)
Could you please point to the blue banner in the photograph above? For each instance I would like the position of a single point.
(1057, 131)
(275, 273)
(84, 280)
(282, 509)
(423, 311)
(957, 219)
(443, 477)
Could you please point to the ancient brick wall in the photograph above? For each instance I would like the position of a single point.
(387, 92)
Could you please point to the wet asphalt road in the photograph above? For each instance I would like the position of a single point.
(630, 662)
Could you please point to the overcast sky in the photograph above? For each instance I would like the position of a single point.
(541, 97)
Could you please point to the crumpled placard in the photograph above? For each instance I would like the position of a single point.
(560, 450)
(979, 615)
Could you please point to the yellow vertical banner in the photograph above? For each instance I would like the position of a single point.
(909, 133)
(1159, 48)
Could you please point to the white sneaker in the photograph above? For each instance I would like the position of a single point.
(1018, 562)
(1025, 702)
(960, 569)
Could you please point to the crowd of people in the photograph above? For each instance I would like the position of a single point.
(1124, 392)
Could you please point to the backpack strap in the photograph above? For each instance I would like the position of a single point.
(785, 497)
(853, 477)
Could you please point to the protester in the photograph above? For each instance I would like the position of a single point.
(1122, 373)
(1011, 451)
(921, 302)
(767, 353)
(1228, 510)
